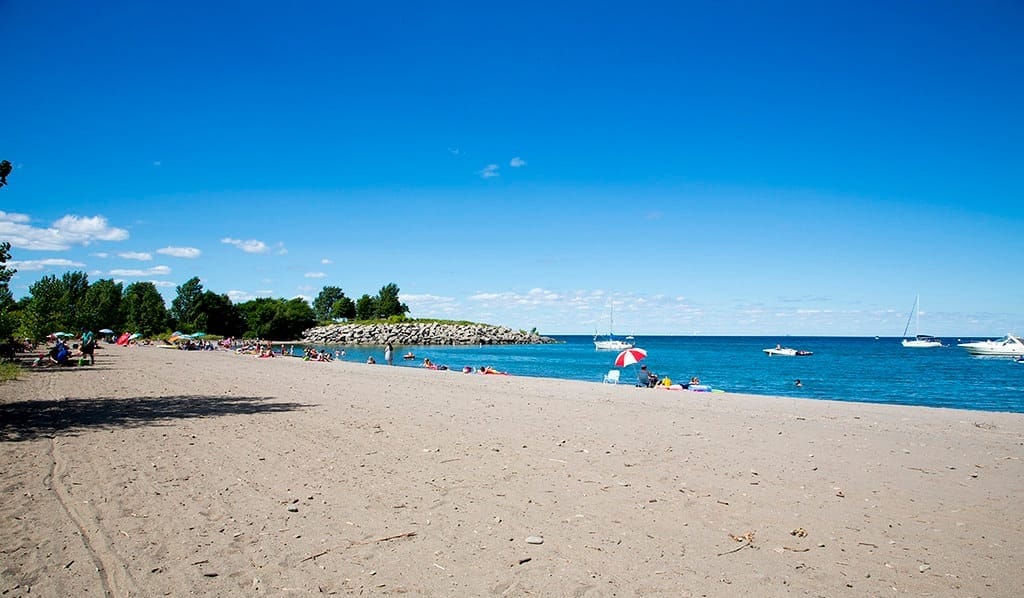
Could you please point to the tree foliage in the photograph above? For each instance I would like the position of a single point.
(103, 305)
(144, 309)
(388, 304)
(324, 302)
(184, 312)
(277, 319)
(5, 170)
(7, 321)
(366, 308)
(216, 314)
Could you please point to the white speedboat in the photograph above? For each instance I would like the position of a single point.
(786, 352)
(1009, 346)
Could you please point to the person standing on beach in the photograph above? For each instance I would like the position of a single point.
(389, 353)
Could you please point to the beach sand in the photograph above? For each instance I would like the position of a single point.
(159, 472)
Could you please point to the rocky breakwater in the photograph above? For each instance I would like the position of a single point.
(412, 333)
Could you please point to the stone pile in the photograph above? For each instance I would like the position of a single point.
(421, 333)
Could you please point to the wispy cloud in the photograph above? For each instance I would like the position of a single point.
(163, 284)
(33, 265)
(62, 234)
(185, 252)
(489, 171)
(154, 271)
(454, 151)
(135, 255)
(326, 261)
(250, 246)
(156, 162)
(517, 162)
(315, 275)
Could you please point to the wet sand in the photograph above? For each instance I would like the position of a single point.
(159, 472)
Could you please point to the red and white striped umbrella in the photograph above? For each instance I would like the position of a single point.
(629, 357)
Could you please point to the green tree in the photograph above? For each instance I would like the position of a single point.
(103, 305)
(7, 320)
(5, 169)
(183, 312)
(216, 314)
(45, 312)
(144, 309)
(343, 308)
(277, 319)
(76, 286)
(388, 304)
(366, 308)
(324, 302)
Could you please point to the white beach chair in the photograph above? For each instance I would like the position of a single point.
(612, 377)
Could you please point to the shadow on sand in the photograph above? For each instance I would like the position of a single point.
(27, 420)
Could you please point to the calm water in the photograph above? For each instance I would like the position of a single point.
(844, 369)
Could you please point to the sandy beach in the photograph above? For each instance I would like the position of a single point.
(159, 472)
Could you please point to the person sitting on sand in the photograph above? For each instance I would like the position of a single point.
(645, 378)
(429, 364)
(370, 360)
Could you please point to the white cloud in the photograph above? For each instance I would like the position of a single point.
(62, 234)
(135, 255)
(102, 254)
(154, 271)
(326, 261)
(250, 246)
(33, 265)
(315, 275)
(517, 162)
(489, 171)
(237, 296)
(185, 252)
(281, 249)
(163, 284)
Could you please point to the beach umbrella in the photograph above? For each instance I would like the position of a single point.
(198, 334)
(630, 357)
(135, 336)
(106, 331)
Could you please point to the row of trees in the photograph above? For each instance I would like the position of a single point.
(71, 304)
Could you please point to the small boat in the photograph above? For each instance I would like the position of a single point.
(611, 343)
(920, 341)
(786, 351)
(409, 355)
(1009, 346)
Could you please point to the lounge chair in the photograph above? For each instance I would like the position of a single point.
(612, 377)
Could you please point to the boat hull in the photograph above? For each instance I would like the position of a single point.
(921, 344)
(1011, 346)
(786, 352)
(612, 345)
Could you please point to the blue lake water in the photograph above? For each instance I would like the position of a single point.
(841, 368)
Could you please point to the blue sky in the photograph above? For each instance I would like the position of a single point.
(773, 168)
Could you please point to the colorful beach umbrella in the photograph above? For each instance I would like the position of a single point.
(630, 356)
(106, 331)
(135, 336)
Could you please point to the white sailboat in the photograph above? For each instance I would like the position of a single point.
(920, 341)
(611, 343)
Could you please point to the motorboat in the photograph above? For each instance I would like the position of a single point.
(786, 351)
(920, 341)
(1010, 346)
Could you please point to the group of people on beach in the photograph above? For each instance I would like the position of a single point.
(60, 354)
(649, 379)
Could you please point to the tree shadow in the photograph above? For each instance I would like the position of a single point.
(28, 420)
